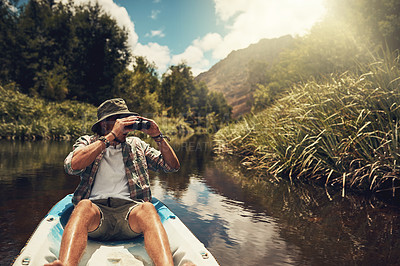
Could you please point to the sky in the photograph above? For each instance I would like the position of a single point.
(200, 33)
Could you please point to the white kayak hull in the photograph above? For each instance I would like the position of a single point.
(44, 244)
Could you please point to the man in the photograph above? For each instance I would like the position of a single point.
(112, 199)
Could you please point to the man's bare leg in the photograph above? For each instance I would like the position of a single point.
(144, 219)
(85, 218)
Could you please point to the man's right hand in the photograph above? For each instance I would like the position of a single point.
(120, 129)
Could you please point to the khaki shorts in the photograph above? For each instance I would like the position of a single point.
(114, 224)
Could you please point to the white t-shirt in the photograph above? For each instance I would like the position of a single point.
(111, 178)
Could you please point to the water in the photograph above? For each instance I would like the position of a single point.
(240, 221)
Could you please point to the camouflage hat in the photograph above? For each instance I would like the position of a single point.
(109, 108)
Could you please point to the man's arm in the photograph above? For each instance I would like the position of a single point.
(168, 154)
(84, 156)
(166, 150)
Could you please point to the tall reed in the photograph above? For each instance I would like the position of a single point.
(342, 132)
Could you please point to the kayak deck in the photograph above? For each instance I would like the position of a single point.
(43, 246)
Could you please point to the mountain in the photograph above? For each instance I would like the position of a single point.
(230, 75)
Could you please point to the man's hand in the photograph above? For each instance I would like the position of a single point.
(154, 130)
(120, 130)
(120, 127)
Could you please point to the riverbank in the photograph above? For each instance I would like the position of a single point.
(33, 118)
(343, 133)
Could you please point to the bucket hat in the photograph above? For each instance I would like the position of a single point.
(109, 108)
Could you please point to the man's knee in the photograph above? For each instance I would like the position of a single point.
(85, 208)
(144, 213)
(148, 207)
(84, 205)
(146, 210)
(86, 214)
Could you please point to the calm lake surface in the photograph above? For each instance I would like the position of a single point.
(240, 222)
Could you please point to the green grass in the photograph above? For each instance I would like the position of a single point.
(341, 132)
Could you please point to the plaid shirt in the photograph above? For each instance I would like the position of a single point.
(138, 157)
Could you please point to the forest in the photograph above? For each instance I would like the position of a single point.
(65, 54)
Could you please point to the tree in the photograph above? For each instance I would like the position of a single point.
(99, 56)
(45, 37)
(8, 25)
(183, 96)
(219, 107)
(52, 84)
(176, 88)
(200, 105)
(139, 88)
(81, 46)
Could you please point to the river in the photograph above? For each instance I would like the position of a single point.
(241, 222)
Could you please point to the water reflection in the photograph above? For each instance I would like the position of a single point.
(234, 235)
(17, 157)
(261, 223)
(242, 222)
(351, 230)
(194, 153)
(213, 207)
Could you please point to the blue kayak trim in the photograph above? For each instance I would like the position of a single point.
(162, 210)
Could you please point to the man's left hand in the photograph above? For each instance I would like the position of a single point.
(154, 130)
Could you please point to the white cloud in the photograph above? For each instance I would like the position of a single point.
(193, 56)
(155, 53)
(122, 18)
(155, 33)
(208, 42)
(154, 14)
(225, 9)
(160, 55)
(10, 6)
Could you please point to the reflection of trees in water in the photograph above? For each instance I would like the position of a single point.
(347, 229)
(193, 153)
(351, 230)
(26, 168)
(32, 180)
(22, 156)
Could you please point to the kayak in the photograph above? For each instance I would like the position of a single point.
(44, 244)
